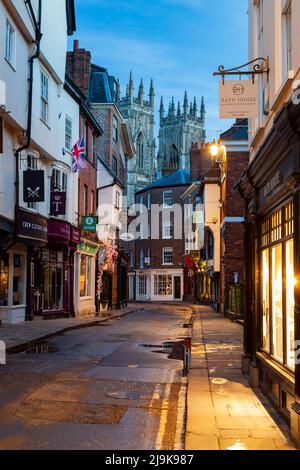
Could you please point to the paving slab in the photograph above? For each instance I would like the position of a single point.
(223, 412)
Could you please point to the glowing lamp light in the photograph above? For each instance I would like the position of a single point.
(218, 151)
(214, 149)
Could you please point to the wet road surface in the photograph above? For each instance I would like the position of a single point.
(106, 387)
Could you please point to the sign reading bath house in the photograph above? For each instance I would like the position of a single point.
(239, 99)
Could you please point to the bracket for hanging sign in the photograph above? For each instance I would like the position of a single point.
(259, 66)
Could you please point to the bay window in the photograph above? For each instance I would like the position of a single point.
(277, 286)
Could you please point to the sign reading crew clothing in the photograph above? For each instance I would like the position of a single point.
(31, 226)
(89, 223)
(239, 99)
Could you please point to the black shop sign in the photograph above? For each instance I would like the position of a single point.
(34, 186)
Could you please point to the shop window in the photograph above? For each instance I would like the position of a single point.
(163, 285)
(266, 300)
(142, 285)
(277, 326)
(290, 303)
(85, 276)
(19, 280)
(277, 286)
(53, 278)
(4, 278)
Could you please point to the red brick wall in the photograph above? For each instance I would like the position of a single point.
(87, 177)
(156, 246)
(232, 242)
(200, 160)
(78, 67)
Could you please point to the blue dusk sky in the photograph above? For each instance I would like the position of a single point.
(178, 43)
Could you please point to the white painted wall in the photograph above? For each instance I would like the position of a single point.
(273, 46)
(108, 213)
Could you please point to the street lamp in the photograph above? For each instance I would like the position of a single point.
(218, 152)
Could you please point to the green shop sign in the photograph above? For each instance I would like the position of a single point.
(90, 250)
(89, 223)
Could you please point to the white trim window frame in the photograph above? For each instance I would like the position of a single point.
(168, 256)
(68, 133)
(10, 44)
(45, 97)
(287, 46)
(168, 199)
(142, 285)
(115, 129)
(118, 200)
(168, 231)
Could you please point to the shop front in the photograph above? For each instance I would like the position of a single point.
(85, 278)
(270, 188)
(52, 272)
(31, 238)
(160, 285)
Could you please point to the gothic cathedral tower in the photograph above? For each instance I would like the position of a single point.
(178, 130)
(140, 114)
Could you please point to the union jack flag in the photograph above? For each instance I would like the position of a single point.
(78, 154)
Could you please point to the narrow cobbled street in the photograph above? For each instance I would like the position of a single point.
(106, 387)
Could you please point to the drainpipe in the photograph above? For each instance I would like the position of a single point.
(37, 42)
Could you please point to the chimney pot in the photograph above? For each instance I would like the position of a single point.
(76, 45)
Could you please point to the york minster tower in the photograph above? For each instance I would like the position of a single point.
(179, 128)
(140, 114)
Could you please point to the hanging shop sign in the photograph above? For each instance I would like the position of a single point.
(58, 203)
(58, 229)
(31, 226)
(89, 223)
(34, 186)
(89, 250)
(239, 99)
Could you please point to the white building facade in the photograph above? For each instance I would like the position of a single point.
(33, 121)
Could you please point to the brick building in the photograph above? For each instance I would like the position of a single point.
(160, 250)
(232, 219)
(113, 151)
(85, 257)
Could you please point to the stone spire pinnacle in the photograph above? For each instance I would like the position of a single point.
(202, 111)
(151, 94)
(130, 86)
(186, 105)
(172, 107)
(162, 109)
(191, 110)
(141, 92)
(195, 108)
(179, 110)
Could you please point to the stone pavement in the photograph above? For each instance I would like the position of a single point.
(224, 413)
(21, 336)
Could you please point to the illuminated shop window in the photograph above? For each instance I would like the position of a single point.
(277, 285)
